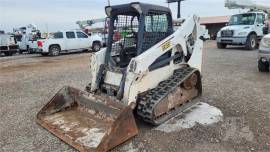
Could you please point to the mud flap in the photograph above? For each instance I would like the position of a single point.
(88, 122)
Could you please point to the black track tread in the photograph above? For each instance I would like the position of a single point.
(147, 102)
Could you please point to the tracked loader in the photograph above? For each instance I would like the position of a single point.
(148, 71)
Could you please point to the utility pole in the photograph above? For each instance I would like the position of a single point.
(109, 3)
(179, 6)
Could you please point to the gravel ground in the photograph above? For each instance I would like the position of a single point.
(231, 83)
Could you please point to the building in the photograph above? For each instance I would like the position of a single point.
(214, 24)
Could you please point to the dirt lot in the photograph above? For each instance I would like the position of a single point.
(231, 82)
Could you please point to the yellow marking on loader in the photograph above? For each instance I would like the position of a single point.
(166, 45)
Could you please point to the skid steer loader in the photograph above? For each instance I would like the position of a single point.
(148, 70)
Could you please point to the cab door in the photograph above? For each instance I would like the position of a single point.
(84, 40)
(71, 41)
(260, 24)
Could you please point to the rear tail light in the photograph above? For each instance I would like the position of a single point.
(39, 43)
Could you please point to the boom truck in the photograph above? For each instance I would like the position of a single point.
(27, 37)
(244, 28)
(148, 71)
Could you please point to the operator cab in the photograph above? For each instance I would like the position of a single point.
(133, 29)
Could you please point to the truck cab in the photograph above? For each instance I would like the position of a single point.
(244, 29)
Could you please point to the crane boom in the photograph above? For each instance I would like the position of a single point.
(247, 4)
(85, 23)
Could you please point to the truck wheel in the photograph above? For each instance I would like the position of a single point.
(96, 46)
(88, 88)
(54, 50)
(252, 42)
(30, 51)
(263, 66)
(221, 45)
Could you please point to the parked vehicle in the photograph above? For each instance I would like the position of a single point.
(147, 71)
(27, 37)
(205, 33)
(8, 45)
(22, 41)
(68, 41)
(264, 54)
(32, 45)
(245, 28)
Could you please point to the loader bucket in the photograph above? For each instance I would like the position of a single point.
(86, 121)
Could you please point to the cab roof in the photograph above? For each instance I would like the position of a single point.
(251, 12)
(145, 8)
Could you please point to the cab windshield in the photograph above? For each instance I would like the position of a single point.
(243, 19)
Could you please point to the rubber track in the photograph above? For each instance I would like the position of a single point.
(148, 102)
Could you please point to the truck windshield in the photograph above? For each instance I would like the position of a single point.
(18, 38)
(243, 19)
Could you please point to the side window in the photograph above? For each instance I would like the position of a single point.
(70, 35)
(81, 35)
(235, 19)
(58, 35)
(260, 19)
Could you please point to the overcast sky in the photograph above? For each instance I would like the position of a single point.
(62, 14)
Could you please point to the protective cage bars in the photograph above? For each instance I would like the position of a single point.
(156, 29)
(126, 33)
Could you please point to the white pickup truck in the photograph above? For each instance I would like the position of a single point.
(68, 41)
